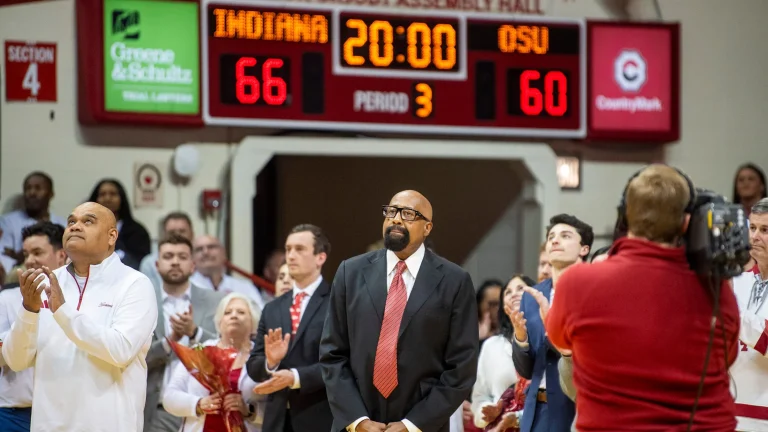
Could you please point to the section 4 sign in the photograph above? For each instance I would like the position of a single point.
(30, 69)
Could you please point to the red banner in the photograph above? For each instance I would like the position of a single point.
(30, 69)
(634, 82)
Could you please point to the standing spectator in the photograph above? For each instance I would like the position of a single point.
(235, 320)
(133, 242)
(631, 371)
(748, 186)
(547, 409)
(545, 267)
(88, 348)
(38, 192)
(287, 367)
(210, 259)
(42, 247)
(284, 282)
(495, 369)
(185, 314)
(177, 223)
(399, 348)
(487, 298)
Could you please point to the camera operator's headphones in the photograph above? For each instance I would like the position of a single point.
(620, 230)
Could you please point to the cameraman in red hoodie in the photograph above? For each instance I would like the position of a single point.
(638, 324)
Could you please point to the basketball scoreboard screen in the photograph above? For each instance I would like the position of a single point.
(322, 67)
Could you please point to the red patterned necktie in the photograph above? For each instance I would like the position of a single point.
(296, 311)
(385, 364)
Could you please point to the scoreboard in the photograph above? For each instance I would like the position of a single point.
(325, 67)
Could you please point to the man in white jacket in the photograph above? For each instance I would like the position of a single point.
(750, 371)
(88, 336)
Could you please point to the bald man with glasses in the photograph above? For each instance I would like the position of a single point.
(399, 347)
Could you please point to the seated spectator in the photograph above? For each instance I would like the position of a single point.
(236, 319)
(133, 242)
(38, 192)
(210, 259)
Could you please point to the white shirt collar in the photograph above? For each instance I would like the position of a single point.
(310, 289)
(187, 294)
(413, 262)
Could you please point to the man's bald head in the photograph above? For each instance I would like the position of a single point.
(91, 233)
(413, 199)
(407, 222)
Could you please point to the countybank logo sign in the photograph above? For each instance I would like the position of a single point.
(151, 63)
(630, 70)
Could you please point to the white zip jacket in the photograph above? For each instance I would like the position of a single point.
(89, 357)
(750, 370)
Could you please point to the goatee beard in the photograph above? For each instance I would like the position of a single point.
(396, 244)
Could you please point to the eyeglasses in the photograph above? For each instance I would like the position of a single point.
(408, 214)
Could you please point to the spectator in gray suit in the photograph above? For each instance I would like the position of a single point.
(173, 223)
(185, 315)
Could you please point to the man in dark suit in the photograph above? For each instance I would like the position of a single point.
(399, 348)
(547, 408)
(288, 365)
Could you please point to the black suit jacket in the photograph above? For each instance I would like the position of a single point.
(436, 351)
(309, 404)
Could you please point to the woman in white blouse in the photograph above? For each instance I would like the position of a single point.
(495, 369)
(236, 320)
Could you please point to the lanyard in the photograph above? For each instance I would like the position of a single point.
(82, 290)
(754, 297)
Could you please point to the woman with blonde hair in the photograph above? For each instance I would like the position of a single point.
(236, 319)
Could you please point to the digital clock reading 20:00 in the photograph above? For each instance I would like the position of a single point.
(375, 43)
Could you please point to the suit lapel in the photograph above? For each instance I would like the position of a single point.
(314, 304)
(285, 313)
(426, 281)
(375, 276)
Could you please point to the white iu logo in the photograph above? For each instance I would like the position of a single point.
(630, 70)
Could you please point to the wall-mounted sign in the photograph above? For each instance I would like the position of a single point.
(634, 81)
(147, 185)
(151, 57)
(30, 69)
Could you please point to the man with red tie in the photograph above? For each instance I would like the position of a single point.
(284, 360)
(399, 348)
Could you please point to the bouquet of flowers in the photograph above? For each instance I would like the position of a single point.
(210, 366)
(511, 404)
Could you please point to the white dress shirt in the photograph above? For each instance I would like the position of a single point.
(11, 225)
(15, 387)
(412, 264)
(308, 291)
(495, 374)
(172, 306)
(228, 285)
